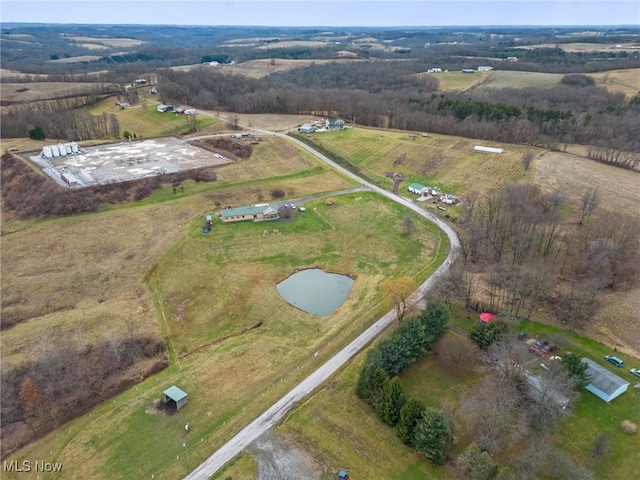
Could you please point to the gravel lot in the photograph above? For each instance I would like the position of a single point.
(281, 459)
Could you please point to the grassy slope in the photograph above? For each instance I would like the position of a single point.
(214, 285)
(436, 161)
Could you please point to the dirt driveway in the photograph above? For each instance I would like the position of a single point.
(281, 459)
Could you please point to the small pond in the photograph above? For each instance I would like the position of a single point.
(315, 291)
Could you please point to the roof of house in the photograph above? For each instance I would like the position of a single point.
(602, 379)
(417, 186)
(174, 393)
(251, 210)
(334, 121)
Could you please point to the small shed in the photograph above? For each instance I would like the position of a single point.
(603, 383)
(342, 475)
(209, 219)
(175, 396)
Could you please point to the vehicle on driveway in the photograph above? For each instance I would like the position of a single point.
(635, 371)
(615, 360)
(543, 342)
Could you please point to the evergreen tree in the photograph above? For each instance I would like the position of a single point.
(576, 368)
(392, 401)
(410, 413)
(435, 319)
(411, 341)
(36, 133)
(432, 436)
(477, 464)
(372, 382)
(484, 334)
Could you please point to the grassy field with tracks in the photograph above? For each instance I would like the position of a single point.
(449, 163)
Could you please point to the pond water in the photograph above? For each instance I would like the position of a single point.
(315, 291)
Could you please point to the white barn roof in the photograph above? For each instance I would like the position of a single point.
(604, 383)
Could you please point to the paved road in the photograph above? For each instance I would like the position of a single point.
(274, 414)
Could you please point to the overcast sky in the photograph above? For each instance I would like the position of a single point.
(324, 13)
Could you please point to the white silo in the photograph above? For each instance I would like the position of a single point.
(46, 152)
(54, 151)
(62, 149)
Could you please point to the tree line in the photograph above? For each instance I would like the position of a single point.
(67, 377)
(426, 430)
(518, 254)
(391, 94)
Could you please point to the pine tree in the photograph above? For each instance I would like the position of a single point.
(410, 413)
(435, 319)
(392, 401)
(432, 436)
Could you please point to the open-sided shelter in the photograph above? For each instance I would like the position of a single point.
(175, 396)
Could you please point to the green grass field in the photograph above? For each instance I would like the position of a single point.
(145, 121)
(449, 163)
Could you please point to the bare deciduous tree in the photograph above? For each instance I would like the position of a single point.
(493, 414)
(395, 294)
(588, 203)
(457, 355)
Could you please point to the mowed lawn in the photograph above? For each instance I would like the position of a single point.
(211, 288)
(447, 162)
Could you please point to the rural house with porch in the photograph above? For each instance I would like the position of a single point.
(256, 213)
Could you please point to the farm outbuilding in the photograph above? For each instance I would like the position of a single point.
(306, 128)
(174, 396)
(480, 148)
(418, 189)
(603, 383)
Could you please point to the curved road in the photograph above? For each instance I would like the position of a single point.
(269, 418)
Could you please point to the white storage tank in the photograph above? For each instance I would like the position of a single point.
(54, 151)
(62, 149)
(46, 152)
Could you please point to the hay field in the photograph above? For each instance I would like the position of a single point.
(625, 81)
(447, 162)
(574, 175)
(457, 81)
(30, 92)
(515, 79)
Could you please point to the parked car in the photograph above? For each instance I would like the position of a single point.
(615, 360)
(536, 351)
(543, 342)
(522, 335)
(549, 348)
(635, 371)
